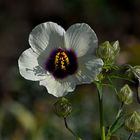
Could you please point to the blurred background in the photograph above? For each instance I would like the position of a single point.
(26, 108)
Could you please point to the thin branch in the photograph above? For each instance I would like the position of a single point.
(120, 110)
(130, 136)
(112, 85)
(70, 130)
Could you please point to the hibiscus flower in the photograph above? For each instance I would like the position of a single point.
(61, 59)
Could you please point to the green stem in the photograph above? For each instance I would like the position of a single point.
(112, 84)
(110, 131)
(120, 111)
(102, 127)
(70, 130)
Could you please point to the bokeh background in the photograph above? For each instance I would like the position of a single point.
(25, 108)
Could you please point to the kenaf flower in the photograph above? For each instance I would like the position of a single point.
(61, 59)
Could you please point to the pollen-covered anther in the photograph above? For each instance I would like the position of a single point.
(65, 57)
(61, 61)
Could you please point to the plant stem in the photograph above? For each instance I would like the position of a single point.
(112, 85)
(130, 136)
(102, 127)
(73, 133)
(120, 110)
(112, 131)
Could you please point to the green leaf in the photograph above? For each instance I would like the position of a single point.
(121, 76)
(114, 88)
(118, 123)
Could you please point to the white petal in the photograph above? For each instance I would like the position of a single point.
(81, 38)
(89, 68)
(58, 88)
(28, 66)
(47, 35)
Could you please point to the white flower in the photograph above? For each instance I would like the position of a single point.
(61, 59)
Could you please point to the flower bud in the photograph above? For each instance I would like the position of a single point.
(108, 52)
(62, 107)
(116, 47)
(105, 51)
(125, 95)
(132, 123)
(134, 71)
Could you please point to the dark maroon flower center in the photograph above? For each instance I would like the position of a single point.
(61, 63)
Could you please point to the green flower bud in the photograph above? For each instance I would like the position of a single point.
(132, 123)
(105, 51)
(62, 107)
(134, 72)
(108, 52)
(116, 47)
(125, 95)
